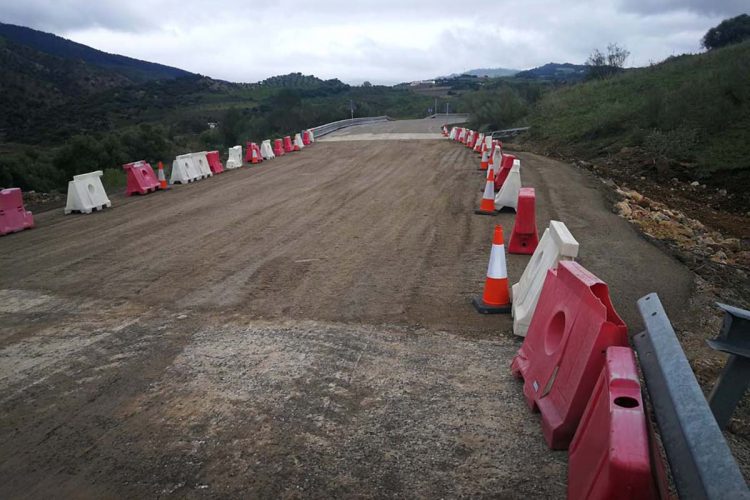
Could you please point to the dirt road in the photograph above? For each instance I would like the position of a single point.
(299, 328)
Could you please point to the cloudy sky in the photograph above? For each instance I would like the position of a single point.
(383, 41)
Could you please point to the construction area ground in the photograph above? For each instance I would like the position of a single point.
(298, 328)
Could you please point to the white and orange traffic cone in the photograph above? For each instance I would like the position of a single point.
(162, 178)
(487, 206)
(492, 156)
(254, 156)
(485, 158)
(496, 296)
(483, 165)
(491, 173)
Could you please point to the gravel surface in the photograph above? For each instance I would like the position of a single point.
(299, 328)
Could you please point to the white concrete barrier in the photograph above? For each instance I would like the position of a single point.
(200, 163)
(508, 194)
(266, 150)
(298, 141)
(86, 193)
(183, 170)
(497, 159)
(556, 244)
(235, 157)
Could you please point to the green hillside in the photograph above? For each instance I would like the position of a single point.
(53, 45)
(63, 114)
(691, 110)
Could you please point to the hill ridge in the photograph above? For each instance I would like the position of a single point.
(136, 70)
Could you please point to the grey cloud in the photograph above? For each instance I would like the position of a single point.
(726, 8)
(68, 15)
(377, 40)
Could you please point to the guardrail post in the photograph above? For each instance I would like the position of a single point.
(701, 463)
(734, 339)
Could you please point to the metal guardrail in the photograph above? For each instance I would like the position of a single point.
(701, 463)
(322, 130)
(509, 132)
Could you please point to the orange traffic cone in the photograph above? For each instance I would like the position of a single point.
(254, 157)
(162, 178)
(487, 206)
(495, 298)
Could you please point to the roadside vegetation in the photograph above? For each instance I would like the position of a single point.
(689, 116)
(692, 109)
(48, 143)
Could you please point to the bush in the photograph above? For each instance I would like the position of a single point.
(29, 173)
(728, 32)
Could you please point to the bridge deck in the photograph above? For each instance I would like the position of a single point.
(302, 327)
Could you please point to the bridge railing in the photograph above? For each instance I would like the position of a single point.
(322, 130)
(509, 132)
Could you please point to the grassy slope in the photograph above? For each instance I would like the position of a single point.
(690, 109)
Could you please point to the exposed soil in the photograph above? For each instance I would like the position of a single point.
(302, 327)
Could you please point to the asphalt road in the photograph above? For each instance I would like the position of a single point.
(298, 328)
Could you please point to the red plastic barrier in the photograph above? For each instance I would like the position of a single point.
(214, 162)
(278, 147)
(560, 360)
(306, 138)
(609, 455)
(252, 153)
(524, 238)
(288, 147)
(503, 171)
(141, 178)
(13, 215)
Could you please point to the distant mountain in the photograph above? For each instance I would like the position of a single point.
(489, 72)
(555, 71)
(133, 69)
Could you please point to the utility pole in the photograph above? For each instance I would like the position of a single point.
(436, 108)
(351, 107)
(447, 108)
